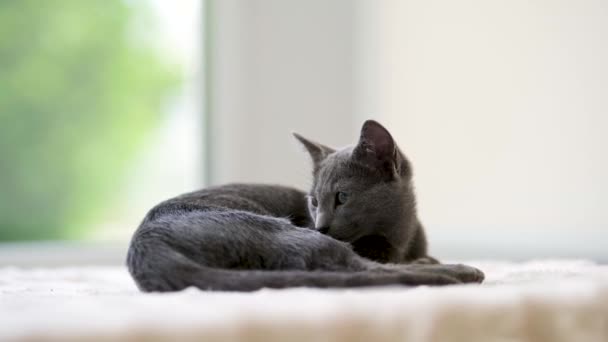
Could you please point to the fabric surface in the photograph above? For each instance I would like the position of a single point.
(535, 301)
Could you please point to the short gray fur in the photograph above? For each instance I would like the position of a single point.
(356, 227)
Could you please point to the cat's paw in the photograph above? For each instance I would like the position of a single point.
(465, 274)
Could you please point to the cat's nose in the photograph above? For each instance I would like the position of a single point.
(323, 230)
(322, 222)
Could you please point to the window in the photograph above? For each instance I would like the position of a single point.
(100, 114)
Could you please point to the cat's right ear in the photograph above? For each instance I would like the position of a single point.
(318, 152)
(376, 149)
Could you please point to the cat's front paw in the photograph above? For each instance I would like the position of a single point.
(466, 274)
(463, 273)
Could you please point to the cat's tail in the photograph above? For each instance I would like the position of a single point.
(165, 269)
(238, 251)
(185, 273)
(251, 280)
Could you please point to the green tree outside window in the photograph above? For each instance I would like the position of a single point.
(78, 94)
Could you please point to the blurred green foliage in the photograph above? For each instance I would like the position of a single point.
(78, 93)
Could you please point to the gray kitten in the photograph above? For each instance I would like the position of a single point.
(356, 227)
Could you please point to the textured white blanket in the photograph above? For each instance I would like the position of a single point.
(535, 301)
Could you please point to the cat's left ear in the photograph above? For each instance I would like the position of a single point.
(318, 152)
(376, 149)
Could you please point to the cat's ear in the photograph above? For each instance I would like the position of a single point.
(317, 151)
(376, 148)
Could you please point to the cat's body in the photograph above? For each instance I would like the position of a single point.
(359, 215)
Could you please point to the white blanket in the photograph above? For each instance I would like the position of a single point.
(535, 301)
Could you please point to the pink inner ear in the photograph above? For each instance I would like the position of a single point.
(378, 139)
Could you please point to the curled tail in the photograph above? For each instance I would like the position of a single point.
(178, 272)
(239, 251)
(164, 269)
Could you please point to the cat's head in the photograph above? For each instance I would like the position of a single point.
(360, 190)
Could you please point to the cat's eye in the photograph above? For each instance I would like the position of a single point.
(314, 202)
(341, 197)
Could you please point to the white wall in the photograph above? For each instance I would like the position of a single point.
(278, 66)
(502, 106)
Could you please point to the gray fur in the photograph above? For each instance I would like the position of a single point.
(243, 237)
